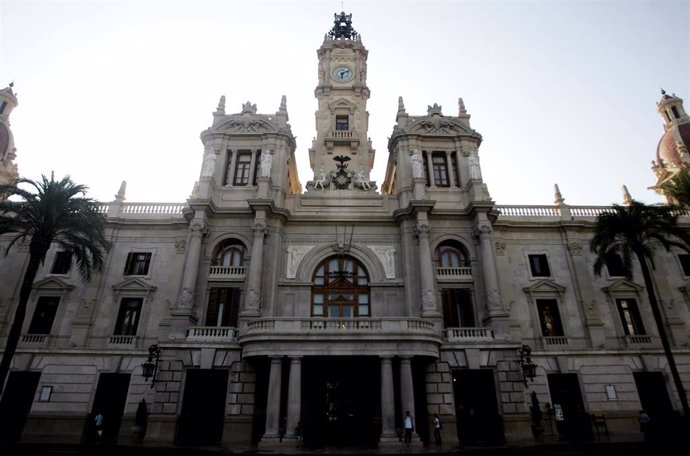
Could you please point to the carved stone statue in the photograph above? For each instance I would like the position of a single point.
(321, 180)
(416, 165)
(209, 165)
(266, 161)
(475, 172)
(360, 180)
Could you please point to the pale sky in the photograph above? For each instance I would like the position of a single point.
(563, 92)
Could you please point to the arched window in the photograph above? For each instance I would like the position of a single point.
(340, 289)
(452, 255)
(231, 253)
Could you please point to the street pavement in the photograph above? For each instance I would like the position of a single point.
(555, 449)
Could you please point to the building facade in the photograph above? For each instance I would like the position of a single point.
(266, 310)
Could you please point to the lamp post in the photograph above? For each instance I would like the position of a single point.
(529, 369)
(150, 367)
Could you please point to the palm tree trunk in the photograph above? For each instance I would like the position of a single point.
(653, 303)
(18, 322)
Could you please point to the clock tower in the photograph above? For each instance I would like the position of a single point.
(341, 155)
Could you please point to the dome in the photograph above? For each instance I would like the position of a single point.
(667, 151)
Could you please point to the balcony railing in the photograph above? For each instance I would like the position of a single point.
(468, 334)
(227, 273)
(122, 340)
(341, 326)
(212, 334)
(463, 274)
(639, 340)
(555, 341)
(34, 338)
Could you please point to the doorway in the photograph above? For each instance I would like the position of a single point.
(572, 422)
(342, 401)
(476, 407)
(109, 401)
(16, 402)
(203, 408)
(655, 400)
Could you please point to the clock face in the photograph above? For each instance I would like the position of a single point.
(342, 74)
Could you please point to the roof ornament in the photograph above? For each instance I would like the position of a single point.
(557, 195)
(627, 199)
(248, 108)
(435, 109)
(461, 107)
(342, 27)
(221, 105)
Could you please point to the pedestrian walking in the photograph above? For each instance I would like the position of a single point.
(98, 425)
(408, 426)
(437, 429)
(644, 424)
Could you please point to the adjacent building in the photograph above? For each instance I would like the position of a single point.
(264, 309)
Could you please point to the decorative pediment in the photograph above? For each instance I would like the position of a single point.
(623, 286)
(438, 125)
(246, 122)
(53, 284)
(543, 287)
(133, 286)
(341, 103)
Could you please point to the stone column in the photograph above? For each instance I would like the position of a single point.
(388, 434)
(407, 391)
(450, 169)
(493, 297)
(430, 168)
(426, 271)
(252, 301)
(294, 406)
(185, 297)
(272, 433)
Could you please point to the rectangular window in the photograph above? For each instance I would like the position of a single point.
(244, 162)
(2, 106)
(228, 168)
(684, 259)
(438, 161)
(342, 123)
(458, 311)
(549, 318)
(128, 317)
(455, 170)
(614, 264)
(539, 266)
(257, 165)
(62, 263)
(223, 307)
(42, 321)
(137, 263)
(425, 159)
(630, 317)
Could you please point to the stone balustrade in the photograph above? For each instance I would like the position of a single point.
(227, 273)
(468, 334)
(463, 274)
(336, 326)
(212, 334)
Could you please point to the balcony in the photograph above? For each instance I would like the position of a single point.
(555, 341)
(34, 339)
(227, 273)
(122, 340)
(212, 334)
(463, 274)
(336, 336)
(636, 340)
(342, 136)
(460, 335)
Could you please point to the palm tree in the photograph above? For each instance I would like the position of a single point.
(678, 187)
(55, 213)
(631, 231)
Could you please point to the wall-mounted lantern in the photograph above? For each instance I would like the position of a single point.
(150, 367)
(529, 369)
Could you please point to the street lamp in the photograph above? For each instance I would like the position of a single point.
(150, 367)
(529, 369)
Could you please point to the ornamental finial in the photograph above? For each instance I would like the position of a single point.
(342, 27)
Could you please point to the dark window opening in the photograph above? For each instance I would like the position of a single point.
(675, 112)
(62, 263)
(342, 123)
(549, 318)
(458, 311)
(452, 255)
(244, 162)
(257, 165)
(630, 317)
(128, 317)
(684, 259)
(228, 170)
(614, 264)
(440, 166)
(138, 263)
(539, 266)
(233, 253)
(223, 307)
(425, 159)
(2, 106)
(455, 170)
(42, 321)
(340, 289)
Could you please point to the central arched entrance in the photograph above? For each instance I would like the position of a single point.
(342, 406)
